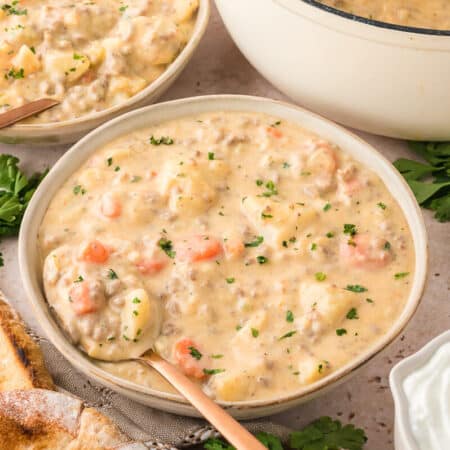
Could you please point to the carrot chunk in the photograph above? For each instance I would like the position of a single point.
(234, 248)
(82, 302)
(188, 358)
(199, 248)
(150, 266)
(95, 252)
(275, 132)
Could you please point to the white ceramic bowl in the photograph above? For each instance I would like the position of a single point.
(404, 438)
(69, 131)
(382, 78)
(31, 271)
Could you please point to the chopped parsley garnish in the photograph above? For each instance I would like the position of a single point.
(116, 169)
(112, 275)
(327, 206)
(258, 240)
(238, 327)
(289, 316)
(320, 276)
(135, 313)
(275, 124)
(136, 178)
(195, 353)
(313, 246)
(369, 300)
(355, 288)
(286, 165)
(341, 331)
(109, 161)
(15, 74)
(78, 189)
(123, 8)
(381, 205)
(211, 156)
(266, 216)
(329, 235)
(125, 337)
(287, 335)
(230, 280)
(216, 356)
(2, 262)
(11, 10)
(322, 365)
(79, 279)
(136, 300)
(213, 371)
(387, 245)
(261, 259)
(255, 332)
(166, 246)
(271, 189)
(352, 314)
(166, 140)
(350, 229)
(76, 56)
(401, 275)
(259, 182)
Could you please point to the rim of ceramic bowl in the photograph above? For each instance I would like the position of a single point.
(398, 375)
(172, 69)
(30, 266)
(377, 23)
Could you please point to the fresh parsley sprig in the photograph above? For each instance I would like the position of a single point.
(430, 182)
(16, 191)
(322, 434)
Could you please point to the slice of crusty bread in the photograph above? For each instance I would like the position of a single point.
(21, 362)
(37, 419)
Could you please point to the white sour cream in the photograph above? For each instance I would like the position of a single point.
(428, 393)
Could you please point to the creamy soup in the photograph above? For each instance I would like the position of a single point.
(90, 55)
(434, 14)
(248, 251)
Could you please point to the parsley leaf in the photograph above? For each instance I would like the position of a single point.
(16, 191)
(258, 240)
(213, 372)
(430, 182)
(355, 288)
(195, 353)
(350, 229)
(166, 140)
(166, 246)
(327, 434)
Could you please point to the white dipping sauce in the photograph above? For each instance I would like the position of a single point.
(428, 393)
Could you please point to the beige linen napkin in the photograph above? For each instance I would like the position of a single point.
(157, 429)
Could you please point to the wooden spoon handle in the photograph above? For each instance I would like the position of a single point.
(22, 112)
(232, 430)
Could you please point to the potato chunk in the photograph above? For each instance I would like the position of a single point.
(26, 60)
(311, 369)
(277, 222)
(66, 65)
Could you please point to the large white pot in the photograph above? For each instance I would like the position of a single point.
(381, 78)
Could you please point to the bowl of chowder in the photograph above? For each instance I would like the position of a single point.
(265, 251)
(381, 66)
(98, 58)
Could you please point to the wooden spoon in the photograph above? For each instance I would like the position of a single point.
(22, 112)
(232, 430)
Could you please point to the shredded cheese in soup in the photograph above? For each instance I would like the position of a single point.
(251, 253)
(90, 55)
(432, 14)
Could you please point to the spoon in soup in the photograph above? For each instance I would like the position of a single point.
(15, 115)
(232, 430)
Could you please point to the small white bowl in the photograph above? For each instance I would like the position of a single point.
(404, 438)
(31, 270)
(378, 77)
(69, 131)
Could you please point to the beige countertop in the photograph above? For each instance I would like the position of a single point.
(217, 68)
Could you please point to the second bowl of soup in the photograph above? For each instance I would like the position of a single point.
(259, 248)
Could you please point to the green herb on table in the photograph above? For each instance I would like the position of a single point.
(16, 191)
(322, 434)
(429, 182)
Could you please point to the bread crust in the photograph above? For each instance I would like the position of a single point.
(21, 362)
